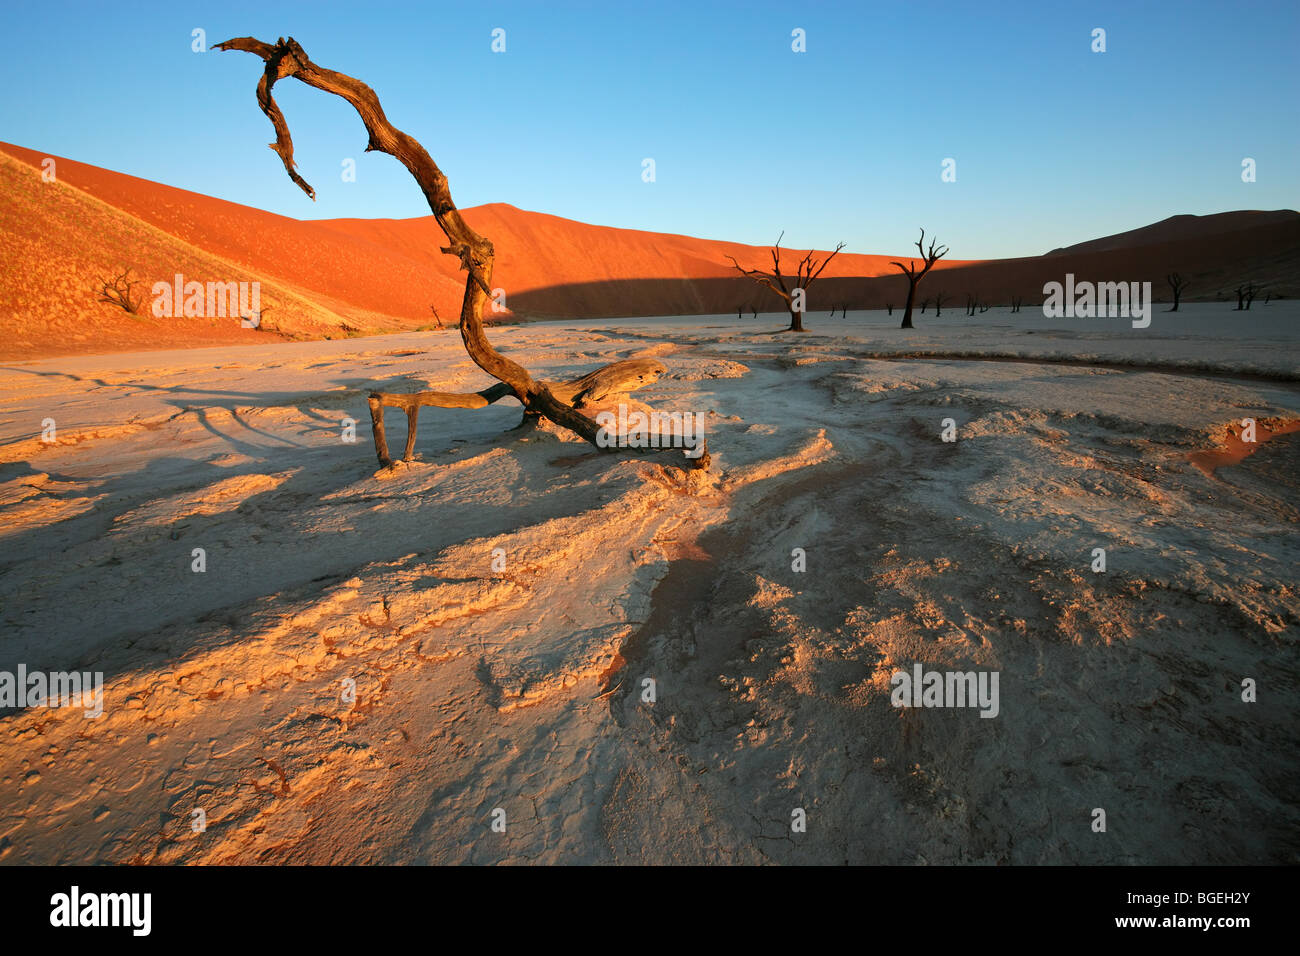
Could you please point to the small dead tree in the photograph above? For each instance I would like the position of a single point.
(929, 257)
(253, 320)
(540, 399)
(984, 307)
(889, 307)
(1246, 295)
(938, 305)
(1176, 284)
(925, 304)
(806, 273)
(117, 291)
(970, 304)
(1015, 303)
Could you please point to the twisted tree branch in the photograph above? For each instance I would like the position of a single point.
(286, 58)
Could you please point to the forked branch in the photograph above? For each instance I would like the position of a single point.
(286, 58)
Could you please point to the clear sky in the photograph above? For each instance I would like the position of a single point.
(1053, 143)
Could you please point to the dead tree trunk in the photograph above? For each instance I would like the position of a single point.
(287, 58)
(1177, 284)
(806, 273)
(929, 257)
(1246, 295)
(938, 305)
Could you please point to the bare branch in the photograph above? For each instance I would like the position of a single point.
(286, 58)
(118, 292)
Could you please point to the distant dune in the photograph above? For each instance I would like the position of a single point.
(335, 278)
(1185, 228)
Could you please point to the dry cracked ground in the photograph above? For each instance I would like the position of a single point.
(524, 689)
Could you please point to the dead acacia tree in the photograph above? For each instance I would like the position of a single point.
(1246, 295)
(806, 273)
(1176, 284)
(938, 305)
(253, 320)
(556, 402)
(117, 291)
(929, 257)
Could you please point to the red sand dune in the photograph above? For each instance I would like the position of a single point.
(329, 278)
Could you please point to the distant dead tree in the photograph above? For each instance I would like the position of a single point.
(1015, 303)
(890, 307)
(436, 317)
(938, 305)
(118, 292)
(1176, 284)
(924, 304)
(806, 273)
(970, 304)
(984, 307)
(253, 320)
(1246, 295)
(929, 257)
(540, 399)
(754, 309)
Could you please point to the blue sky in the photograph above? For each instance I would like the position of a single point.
(1053, 143)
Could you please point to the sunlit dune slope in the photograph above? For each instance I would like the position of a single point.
(57, 242)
